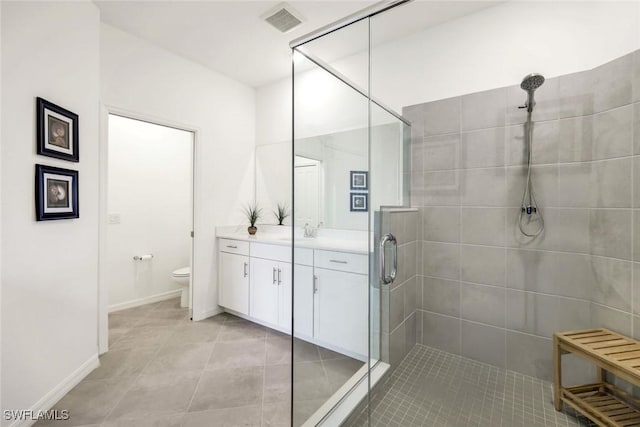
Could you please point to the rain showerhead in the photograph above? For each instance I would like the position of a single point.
(530, 83)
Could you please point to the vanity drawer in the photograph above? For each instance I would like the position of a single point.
(274, 252)
(342, 261)
(233, 246)
(303, 256)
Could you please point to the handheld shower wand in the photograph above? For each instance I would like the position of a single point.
(529, 210)
(529, 84)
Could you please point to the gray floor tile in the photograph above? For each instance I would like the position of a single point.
(277, 383)
(305, 351)
(276, 414)
(303, 409)
(340, 370)
(173, 303)
(162, 370)
(228, 388)
(434, 388)
(326, 354)
(195, 332)
(143, 337)
(156, 395)
(180, 358)
(148, 421)
(310, 381)
(241, 330)
(248, 416)
(237, 354)
(123, 363)
(169, 313)
(90, 401)
(278, 350)
(122, 321)
(116, 333)
(159, 322)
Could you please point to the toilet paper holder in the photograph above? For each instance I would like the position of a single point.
(142, 257)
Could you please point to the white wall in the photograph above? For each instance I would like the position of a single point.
(498, 46)
(149, 190)
(50, 268)
(273, 185)
(139, 77)
(495, 47)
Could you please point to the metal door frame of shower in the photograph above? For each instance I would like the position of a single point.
(368, 12)
(356, 385)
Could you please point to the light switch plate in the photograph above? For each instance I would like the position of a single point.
(114, 218)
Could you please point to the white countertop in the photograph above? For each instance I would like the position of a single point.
(326, 240)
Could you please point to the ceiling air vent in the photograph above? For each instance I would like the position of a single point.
(283, 18)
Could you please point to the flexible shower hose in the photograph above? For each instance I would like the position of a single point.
(532, 207)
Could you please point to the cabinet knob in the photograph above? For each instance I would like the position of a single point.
(315, 284)
(245, 269)
(274, 276)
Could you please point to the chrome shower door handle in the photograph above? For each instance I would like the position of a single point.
(388, 279)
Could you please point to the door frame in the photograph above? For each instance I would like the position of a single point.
(319, 164)
(103, 297)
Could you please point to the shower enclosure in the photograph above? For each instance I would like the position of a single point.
(417, 299)
(351, 181)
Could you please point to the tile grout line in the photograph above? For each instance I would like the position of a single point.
(459, 278)
(204, 369)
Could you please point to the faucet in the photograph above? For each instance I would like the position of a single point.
(311, 232)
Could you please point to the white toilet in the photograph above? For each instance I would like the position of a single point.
(181, 276)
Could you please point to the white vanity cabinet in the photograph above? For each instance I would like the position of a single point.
(233, 260)
(304, 299)
(341, 300)
(270, 292)
(270, 285)
(331, 297)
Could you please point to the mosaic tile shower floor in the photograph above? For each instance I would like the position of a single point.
(438, 389)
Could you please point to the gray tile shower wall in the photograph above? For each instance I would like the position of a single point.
(401, 299)
(488, 292)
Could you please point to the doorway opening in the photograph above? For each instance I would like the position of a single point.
(147, 253)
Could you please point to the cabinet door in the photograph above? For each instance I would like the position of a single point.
(342, 310)
(284, 296)
(303, 301)
(234, 282)
(264, 290)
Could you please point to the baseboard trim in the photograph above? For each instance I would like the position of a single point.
(206, 314)
(50, 399)
(147, 300)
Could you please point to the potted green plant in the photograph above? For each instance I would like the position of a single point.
(281, 213)
(253, 214)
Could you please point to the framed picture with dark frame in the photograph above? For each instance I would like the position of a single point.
(360, 180)
(359, 202)
(56, 193)
(57, 131)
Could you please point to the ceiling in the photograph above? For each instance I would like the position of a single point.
(231, 38)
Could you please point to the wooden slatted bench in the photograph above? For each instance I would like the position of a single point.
(603, 403)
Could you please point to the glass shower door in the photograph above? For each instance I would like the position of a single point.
(349, 163)
(331, 236)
